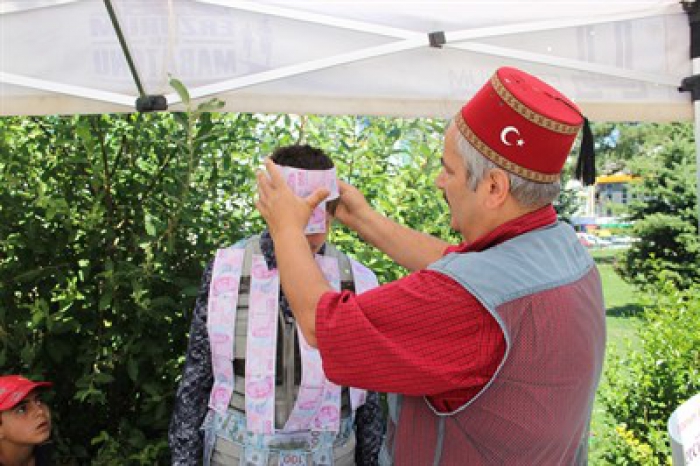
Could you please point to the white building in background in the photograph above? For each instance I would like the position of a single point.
(611, 193)
(600, 204)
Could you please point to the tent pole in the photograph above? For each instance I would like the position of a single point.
(692, 83)
(125, 48)
(144, 103)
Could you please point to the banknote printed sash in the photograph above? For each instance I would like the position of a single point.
(317, 406)
(318, 403)
(263, 313)
(221, 323)
(293, 458)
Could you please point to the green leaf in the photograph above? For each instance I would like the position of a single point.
(103, 378)
(182, 118)
(211, 105)
(133, 369)
(181, 90)
(30, 276)
(105, 300)
(148, 223)
(84, 132)
(191, 291)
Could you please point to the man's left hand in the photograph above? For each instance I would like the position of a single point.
(279, 206)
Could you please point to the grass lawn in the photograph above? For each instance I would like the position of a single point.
(621, 300)
(623, 307)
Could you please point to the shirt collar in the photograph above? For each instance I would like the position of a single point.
(267, 246)
(509, 230)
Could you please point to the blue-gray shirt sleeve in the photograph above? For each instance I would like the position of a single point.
(185, 438)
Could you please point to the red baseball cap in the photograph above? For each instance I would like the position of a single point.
(14, 388)
(521, 124)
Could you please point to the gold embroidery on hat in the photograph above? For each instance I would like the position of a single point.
(527, 113)
(498, 159)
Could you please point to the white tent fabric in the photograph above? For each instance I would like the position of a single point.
(618, 59)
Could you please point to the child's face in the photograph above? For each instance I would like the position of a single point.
(316, 240)
(28, 423)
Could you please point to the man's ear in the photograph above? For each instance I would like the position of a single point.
(498, 183)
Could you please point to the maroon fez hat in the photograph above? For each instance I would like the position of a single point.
(521, 124)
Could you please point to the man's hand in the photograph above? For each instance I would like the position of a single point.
(411, 249)
(352, 206)
(286, 215)
(279, 206)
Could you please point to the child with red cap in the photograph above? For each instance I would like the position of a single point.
(25, 422)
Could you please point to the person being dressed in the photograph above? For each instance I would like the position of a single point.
(253, 391)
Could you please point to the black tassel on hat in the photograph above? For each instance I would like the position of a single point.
(585, 165)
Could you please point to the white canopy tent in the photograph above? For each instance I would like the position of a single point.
(620, 60)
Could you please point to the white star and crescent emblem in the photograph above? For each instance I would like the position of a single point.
(511, 129)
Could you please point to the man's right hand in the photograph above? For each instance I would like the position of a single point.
(352, 206)
(409, 248)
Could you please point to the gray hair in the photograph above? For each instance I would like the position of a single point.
(527, 193)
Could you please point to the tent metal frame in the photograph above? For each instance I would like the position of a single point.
(405, 40)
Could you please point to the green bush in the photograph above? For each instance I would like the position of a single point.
(642, 388)
(106, 223)
(668, 250)
(104, 226)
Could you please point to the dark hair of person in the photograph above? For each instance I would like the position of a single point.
(307, 158)
(302, 156)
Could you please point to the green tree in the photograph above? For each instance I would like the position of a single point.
(107, 221)
(617, 144)
(665, 209)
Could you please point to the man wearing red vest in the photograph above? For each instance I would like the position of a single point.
(493, 347)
